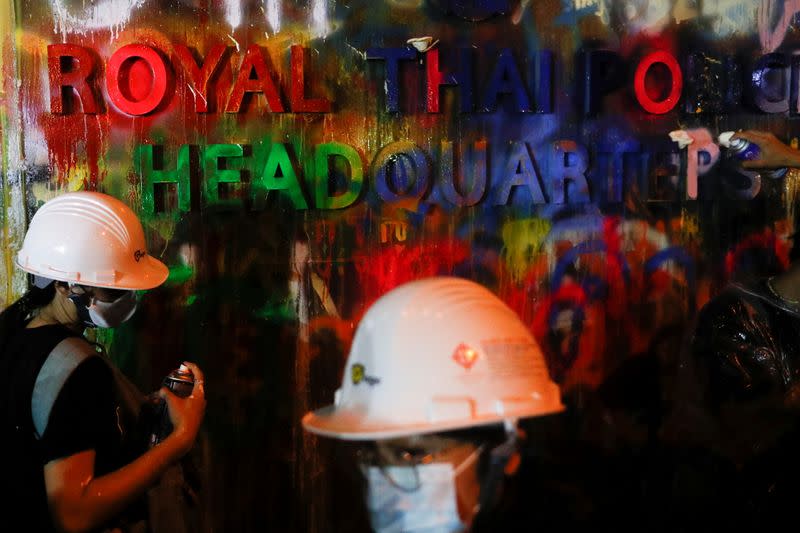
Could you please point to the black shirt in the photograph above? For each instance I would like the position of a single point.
(86, 415)
(83, 416)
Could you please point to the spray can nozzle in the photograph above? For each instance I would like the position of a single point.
(725, 138)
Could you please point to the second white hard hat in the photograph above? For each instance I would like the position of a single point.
(435, 355)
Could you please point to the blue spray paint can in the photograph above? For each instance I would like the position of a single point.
(745, 150)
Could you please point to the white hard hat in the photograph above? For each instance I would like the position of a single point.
(92, 239)
(435, 355)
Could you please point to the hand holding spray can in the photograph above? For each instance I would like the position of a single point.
(181, 382)
(745, 150)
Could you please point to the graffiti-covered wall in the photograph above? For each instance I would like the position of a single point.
(293, 160)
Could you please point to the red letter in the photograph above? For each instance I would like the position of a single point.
(434, 78)
(199, 77)
(77, 78)
(263, 83)
(665, 105)
(136, 87)
(297, 97)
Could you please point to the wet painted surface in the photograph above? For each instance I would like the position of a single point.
(292, 161)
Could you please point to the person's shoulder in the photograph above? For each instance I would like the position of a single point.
(29, 347)
(75, 357)
(729, 299)
(71, 359)
(92, 368)
(739, 291)
(47, 334)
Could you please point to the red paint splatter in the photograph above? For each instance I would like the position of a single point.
(75, 140)
(396, 264)
(766, 241)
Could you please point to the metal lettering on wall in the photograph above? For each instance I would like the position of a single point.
(138, 79)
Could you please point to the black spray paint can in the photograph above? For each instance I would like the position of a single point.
(744, 150)
(181, 382)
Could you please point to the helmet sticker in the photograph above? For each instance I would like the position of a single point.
(465, 356)
(517, 357)
(358, 374)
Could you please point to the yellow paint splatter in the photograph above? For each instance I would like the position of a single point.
(522, 239)
(689, 226)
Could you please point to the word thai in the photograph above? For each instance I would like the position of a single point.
(333, 175)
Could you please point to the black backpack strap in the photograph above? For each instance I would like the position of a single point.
(57, 368)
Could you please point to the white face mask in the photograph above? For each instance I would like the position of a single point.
(106, 314)
(112, 314)
(419, 498)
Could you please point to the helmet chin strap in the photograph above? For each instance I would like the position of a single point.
(466, 463)
(81, 302)
(499, 457)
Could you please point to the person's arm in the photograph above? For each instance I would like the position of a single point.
(79, 501)
(774, 153)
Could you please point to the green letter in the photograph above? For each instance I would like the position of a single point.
(322, 156)
(144, 166)
(215, 175)
(279, 162)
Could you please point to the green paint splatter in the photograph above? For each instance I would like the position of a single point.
(179, 274)
(283, 310)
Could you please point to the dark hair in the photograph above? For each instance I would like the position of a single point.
(13, 318)
(490, 434)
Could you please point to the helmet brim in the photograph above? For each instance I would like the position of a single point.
(150, 273)
(347, 424)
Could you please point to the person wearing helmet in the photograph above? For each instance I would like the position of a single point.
(67, 412)
(439, 372)
(734, 428)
